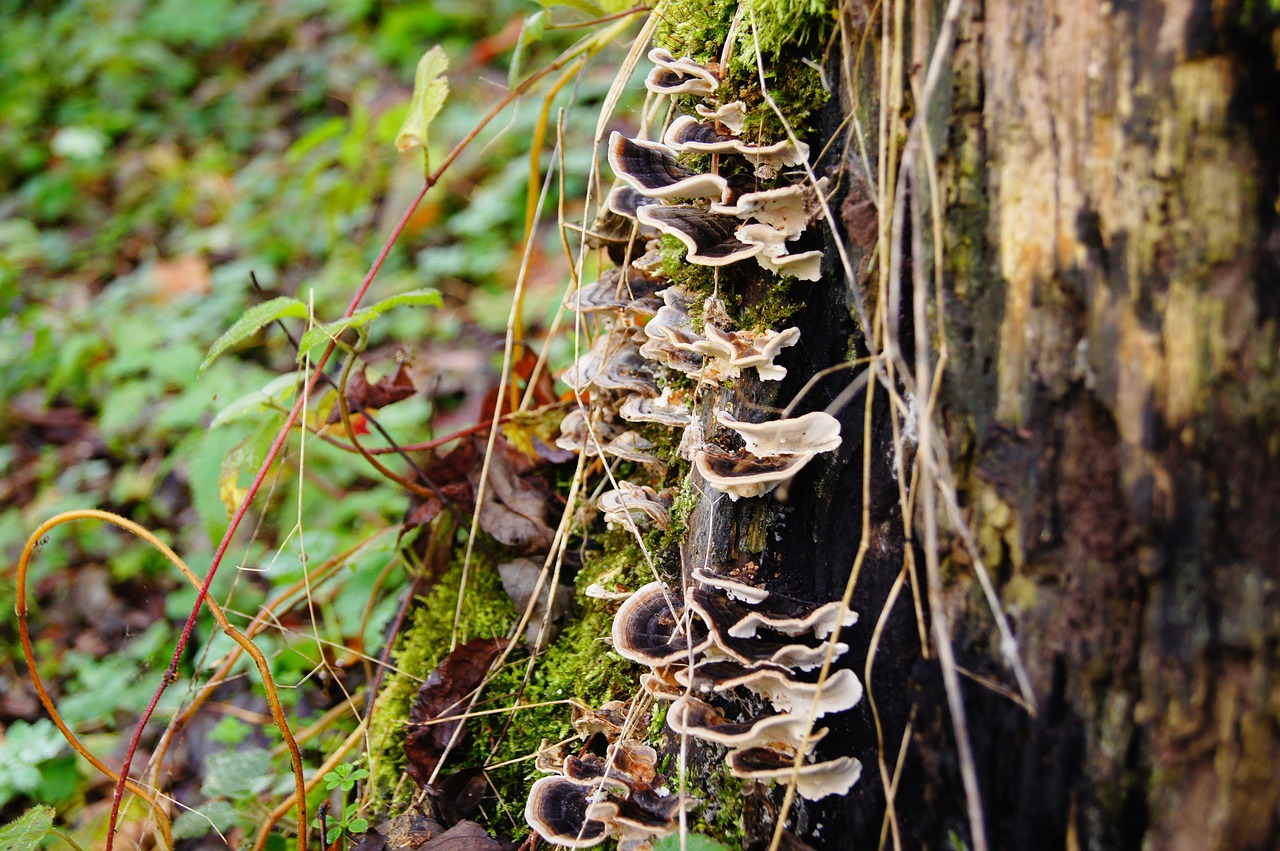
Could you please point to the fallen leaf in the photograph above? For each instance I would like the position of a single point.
(514, 509)
(519, 580)
(449, 475)
(444, 695)
(459, 794)
(405, 832)
(463, 836)
(362, 395)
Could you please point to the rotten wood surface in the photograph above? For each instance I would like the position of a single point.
(1111, 175)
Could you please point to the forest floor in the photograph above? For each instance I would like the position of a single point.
(164, 168)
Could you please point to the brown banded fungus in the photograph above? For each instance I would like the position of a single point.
(665, 410)
(635, 505)
(778, 684)
(810, 433)
(814, 780)
(687, 134)
(775, 451)
(651, 628)
(748, 349)
(614, 292)
(557, 810)
(587, 431)
(733, 115)
(722, 617)
(694, 717)
(672, 76)
(741, 474)
(613, 362)
(651, 168)
(735, 588)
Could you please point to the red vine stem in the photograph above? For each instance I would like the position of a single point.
(171, 673)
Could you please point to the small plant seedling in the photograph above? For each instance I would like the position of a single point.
(344, 777)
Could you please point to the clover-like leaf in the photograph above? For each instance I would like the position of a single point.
(430, 88)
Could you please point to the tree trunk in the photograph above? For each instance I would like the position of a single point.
(1110, 404)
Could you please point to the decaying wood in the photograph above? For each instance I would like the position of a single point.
(1112, 404)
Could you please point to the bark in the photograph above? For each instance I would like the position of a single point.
(1111, 405)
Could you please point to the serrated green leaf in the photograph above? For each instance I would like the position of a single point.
(251, 404)
(330, 330)
(430, 88)
(249, 324)
(27, 831)
(530, 33)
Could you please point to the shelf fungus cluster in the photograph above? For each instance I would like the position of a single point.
(722, 641)
(705, 643)
(611, 788)
(719, 219)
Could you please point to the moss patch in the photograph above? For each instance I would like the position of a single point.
(786, 32)
(486, 612)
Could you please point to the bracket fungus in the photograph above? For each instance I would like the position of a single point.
(775, 451)
(635, 505)
(711, 239)
(591, 796)
(733, 115)
(688, 134)
(695, 717)
(667, 409)
(741, 474)
(671, 76)
(810, 433)
(652, 169)
(778, 684)
(748, 349)
(814, 780)
(651, 628)
(734, 588)
(724, 640)
(557, 810)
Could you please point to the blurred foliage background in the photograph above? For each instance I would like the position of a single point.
(164, 166)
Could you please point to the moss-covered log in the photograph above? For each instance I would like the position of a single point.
(1110, 247)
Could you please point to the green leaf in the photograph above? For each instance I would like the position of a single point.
(250, 405)
(249, 324)
(26, 832)
(330, 330)
(358, 825)
(693, 842)
(586, 6)
(530, 33)
(430, 88)
(246, 771)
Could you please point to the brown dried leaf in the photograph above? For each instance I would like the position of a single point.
(463, 836)
(513, 508)
(362, 395)
(444, 695)
(449, 475)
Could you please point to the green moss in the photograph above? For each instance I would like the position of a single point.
(486, 612)
(694, 28)
(786, 32)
